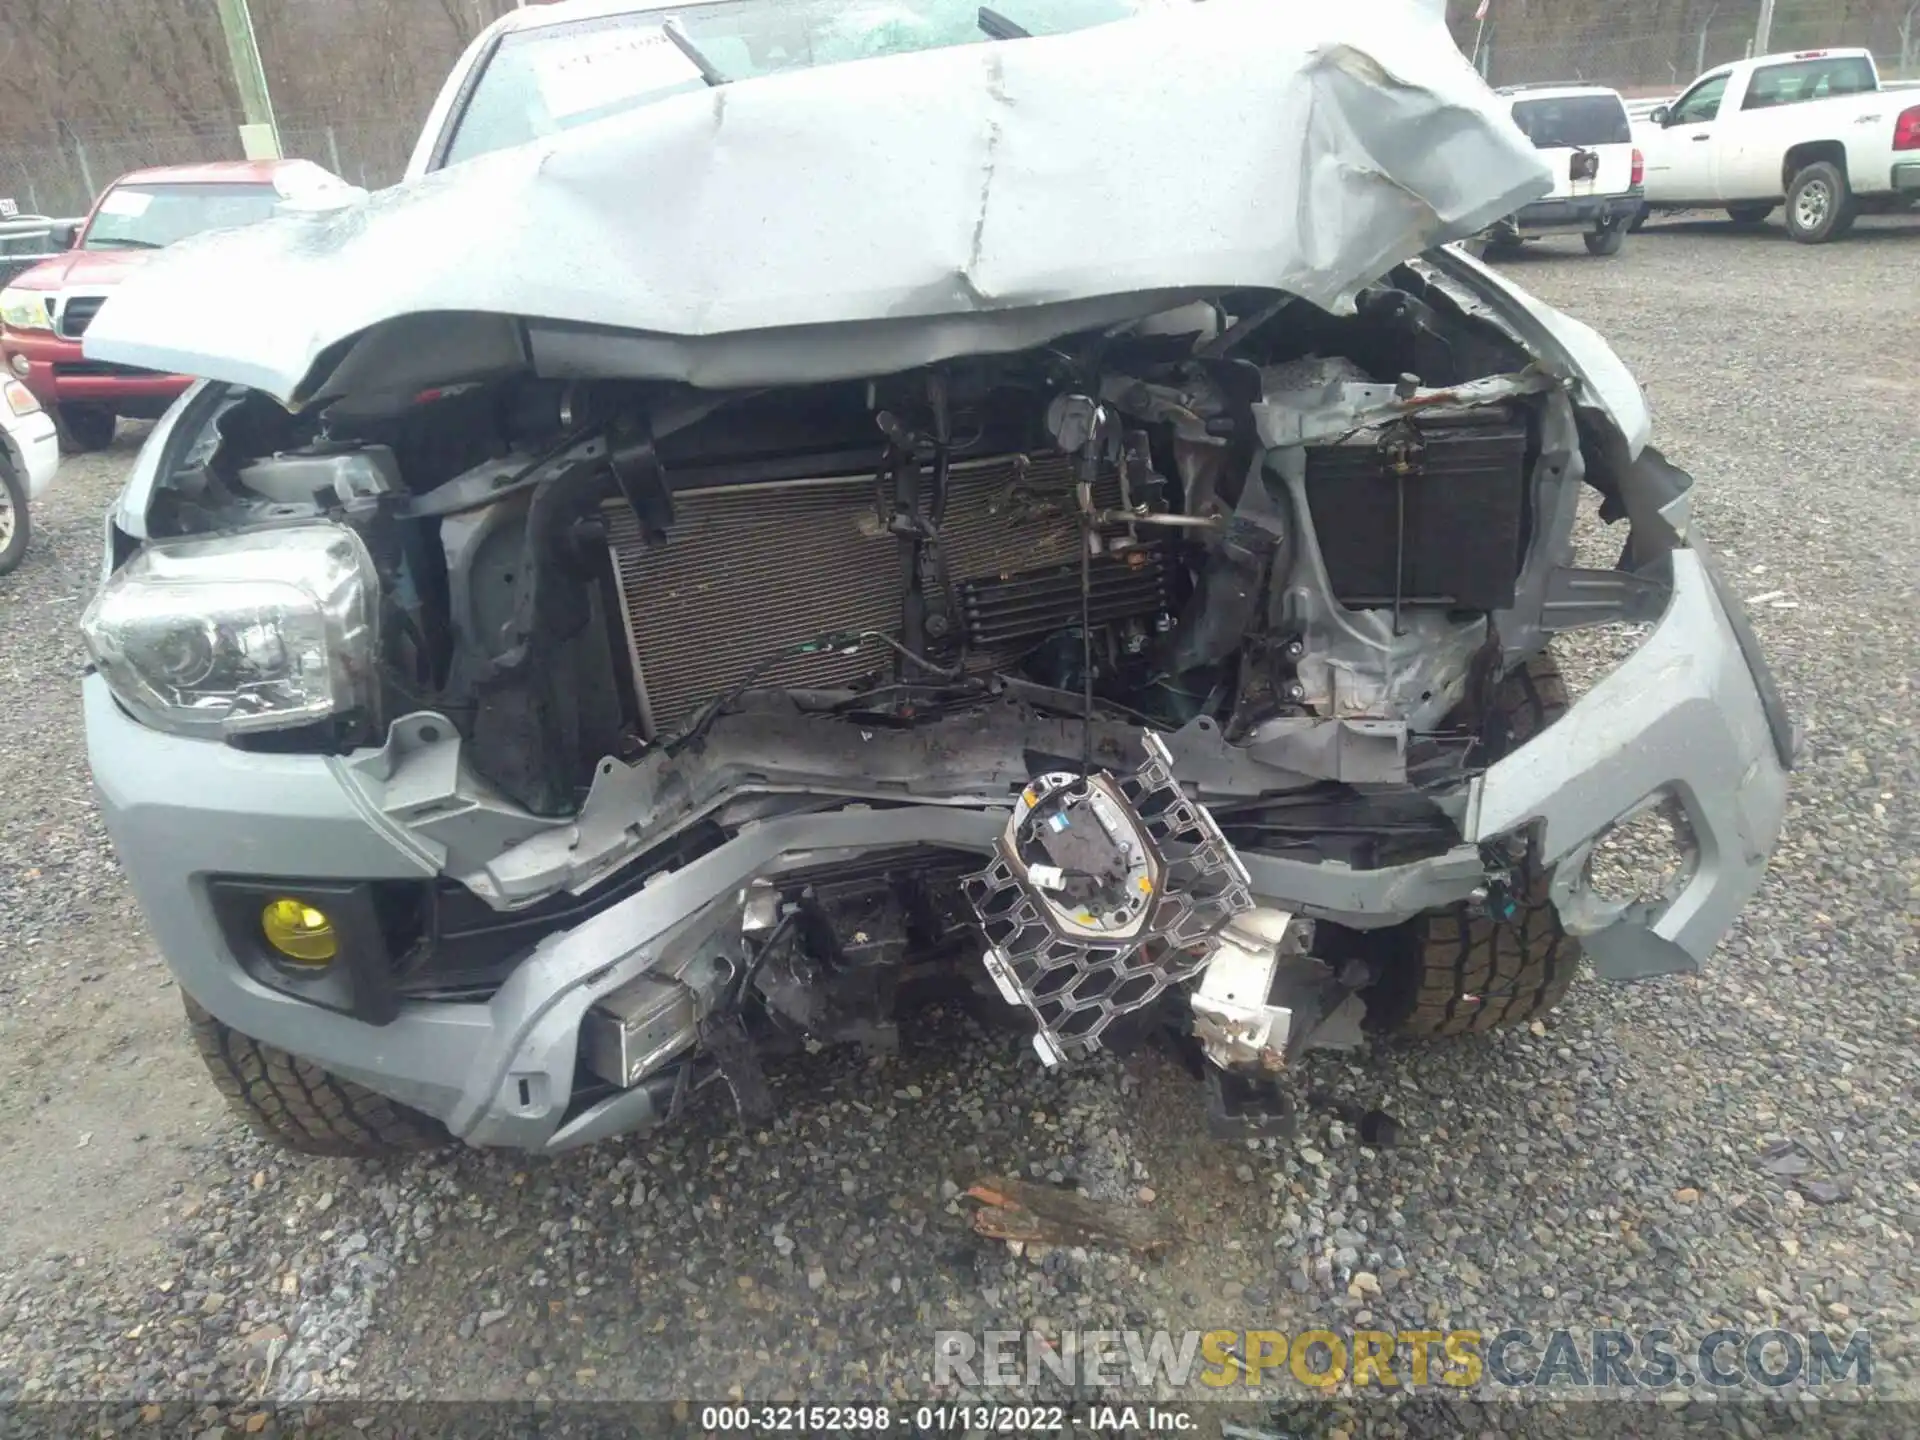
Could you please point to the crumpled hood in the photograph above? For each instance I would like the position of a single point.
(860, 218)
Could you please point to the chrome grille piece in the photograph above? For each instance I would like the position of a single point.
(1077, 970)
(77, 314)
(748, 570)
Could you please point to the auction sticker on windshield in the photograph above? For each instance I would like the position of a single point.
(131, 203)
(588, 72)
(125, 202)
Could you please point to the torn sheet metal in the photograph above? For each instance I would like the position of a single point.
(853, 219)
(1606, 382)
(1343, 407)
(1234, 1017)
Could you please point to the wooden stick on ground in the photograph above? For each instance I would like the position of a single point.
(1047, 1215)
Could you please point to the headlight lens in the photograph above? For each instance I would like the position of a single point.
(25, 309)
(240, 634)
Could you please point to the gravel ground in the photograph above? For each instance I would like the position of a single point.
(1600, 1168)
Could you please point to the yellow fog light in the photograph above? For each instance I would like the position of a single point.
(299, 932)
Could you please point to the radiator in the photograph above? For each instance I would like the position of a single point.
(1456, 529)
(748, 570)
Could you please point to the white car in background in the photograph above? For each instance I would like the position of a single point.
(29, 453)
(1584, 135)
(1815, 129)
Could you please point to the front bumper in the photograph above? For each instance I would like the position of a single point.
(59, 373)
(1590, 212)
(1684, 715)
(1692, 716)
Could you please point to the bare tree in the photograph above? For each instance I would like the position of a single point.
(1657, 43)
(126, 64)
(144, 81)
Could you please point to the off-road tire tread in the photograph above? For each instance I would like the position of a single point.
(1471, 972)
(84, 440)
(301, 1107)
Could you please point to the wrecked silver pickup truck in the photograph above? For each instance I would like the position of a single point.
(1040, 517)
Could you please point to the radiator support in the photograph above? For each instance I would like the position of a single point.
(749, 570)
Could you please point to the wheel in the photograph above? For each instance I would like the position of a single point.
(1448, 972)
(1606, 241)
(1750, 215)
(1501, 247)
(299, 1106)
(85, 427)
(15, 526)
(1820, 207)
(1639, 219)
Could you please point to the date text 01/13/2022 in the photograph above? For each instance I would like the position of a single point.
(941, 1419)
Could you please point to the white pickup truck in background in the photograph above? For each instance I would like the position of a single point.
(1814, 129)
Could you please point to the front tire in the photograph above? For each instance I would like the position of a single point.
(1454, 971)
(300, 1107)
(1820, 206)
(85, 428)
(16, 528)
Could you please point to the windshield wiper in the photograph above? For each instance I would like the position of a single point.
(709, 72)
(999, 27)
(115, 242)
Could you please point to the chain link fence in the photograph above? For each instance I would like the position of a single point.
(63, 176)
(1513, 42)
(1519, 42)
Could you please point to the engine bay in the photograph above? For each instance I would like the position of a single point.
(575, 570)
(1224, 587)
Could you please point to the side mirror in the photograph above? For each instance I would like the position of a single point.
(1658, 115)
(63, 236)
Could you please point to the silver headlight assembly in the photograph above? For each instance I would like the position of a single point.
(239, 634)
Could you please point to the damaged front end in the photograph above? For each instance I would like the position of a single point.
(632, 728)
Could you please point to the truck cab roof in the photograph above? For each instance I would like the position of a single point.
(213, 172)
(1556, 91)
(1830, 52)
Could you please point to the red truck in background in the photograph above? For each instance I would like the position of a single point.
(45, 311)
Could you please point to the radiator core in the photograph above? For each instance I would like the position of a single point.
(748, 570)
